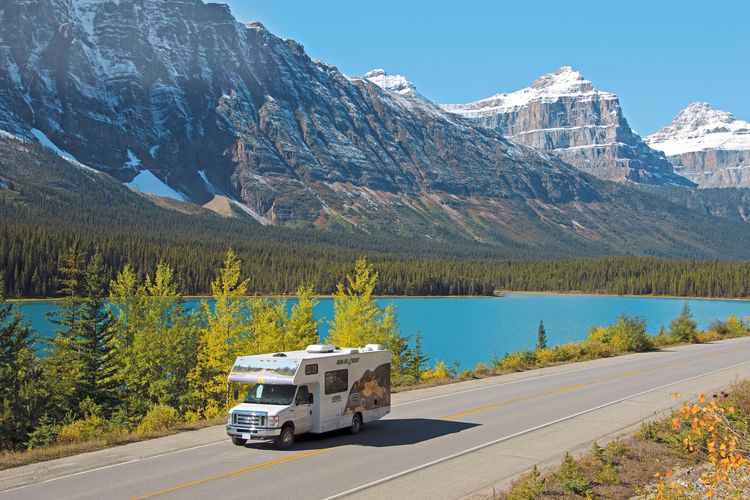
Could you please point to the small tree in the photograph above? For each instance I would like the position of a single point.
(20, 396)
(417, 359)
(684, 326)
(541, 339)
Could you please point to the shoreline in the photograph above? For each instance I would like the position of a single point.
(499, 294)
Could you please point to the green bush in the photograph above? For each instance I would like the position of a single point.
(571, 478)
(529, 488)
(159, 417)
(626, 334)
(44, 434)
(517, 361)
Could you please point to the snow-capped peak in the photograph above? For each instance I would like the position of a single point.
(699, 127)
(565, 82)
(393, 83)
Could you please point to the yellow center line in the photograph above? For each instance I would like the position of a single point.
(236, 472)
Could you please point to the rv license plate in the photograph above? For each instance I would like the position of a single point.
(247, 435)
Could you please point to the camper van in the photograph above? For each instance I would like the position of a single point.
(320, 389)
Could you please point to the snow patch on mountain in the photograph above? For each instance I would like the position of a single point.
(700, 127)
(133, 161)
(147, 182)
(45, 141)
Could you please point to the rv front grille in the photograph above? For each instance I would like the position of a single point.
(249, 419)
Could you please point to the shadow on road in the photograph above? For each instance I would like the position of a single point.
(382, 433)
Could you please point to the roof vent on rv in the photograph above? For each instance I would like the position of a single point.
(279, 355)
(318, 348)
(373, 347)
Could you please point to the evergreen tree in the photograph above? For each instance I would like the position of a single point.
(225, 335)
(65, 367)
(20, 392)
(541, 339)
(97, 354)
(417, 359)
(684, 326)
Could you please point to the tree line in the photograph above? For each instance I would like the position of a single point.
(127, 356)
(32, 259)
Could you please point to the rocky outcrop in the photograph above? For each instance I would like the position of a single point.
(563, 113)
(708, 146)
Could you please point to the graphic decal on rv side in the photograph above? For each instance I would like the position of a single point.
(256, 369)
(371, 391)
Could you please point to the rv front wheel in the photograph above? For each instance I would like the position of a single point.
(286, 438)
(239, 441)
(356, 423)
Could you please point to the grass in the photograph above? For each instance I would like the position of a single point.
(10, 459)
(631, 466)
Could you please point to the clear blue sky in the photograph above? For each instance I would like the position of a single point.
(658, 55)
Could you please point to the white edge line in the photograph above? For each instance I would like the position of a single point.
(520, 433)
(118, 464)
(527, 379)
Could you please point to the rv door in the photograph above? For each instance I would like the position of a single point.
(303, 417)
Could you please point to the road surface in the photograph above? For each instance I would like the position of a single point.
(443, 442)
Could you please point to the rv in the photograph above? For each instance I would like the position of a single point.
(320, 389)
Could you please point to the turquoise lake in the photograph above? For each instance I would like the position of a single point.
(471, 330)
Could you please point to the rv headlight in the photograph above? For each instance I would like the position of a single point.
(273, 421)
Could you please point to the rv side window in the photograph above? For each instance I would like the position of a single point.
(311, 369)
(336, 381)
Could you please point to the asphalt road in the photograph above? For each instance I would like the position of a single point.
(443, 442)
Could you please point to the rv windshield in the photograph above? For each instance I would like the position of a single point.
(271, 394)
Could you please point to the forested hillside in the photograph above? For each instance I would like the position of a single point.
(47, 204)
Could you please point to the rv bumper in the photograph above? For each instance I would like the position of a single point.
(252, 432)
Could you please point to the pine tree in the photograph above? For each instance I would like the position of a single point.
(20, 394)
(417, 360)
(684, 326)
(65, 367)
(96, 337)
(541, 339)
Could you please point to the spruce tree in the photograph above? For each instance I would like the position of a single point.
(417, 359)
(684, 327)
(20, 392)
(541, 339)
(65, 366)
(96, 337)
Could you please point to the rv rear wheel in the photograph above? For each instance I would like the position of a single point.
(286, 438)
(356, 423)
(239, 441)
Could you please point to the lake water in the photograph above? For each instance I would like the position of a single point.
(471, 330)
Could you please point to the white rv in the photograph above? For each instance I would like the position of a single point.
(320, 389)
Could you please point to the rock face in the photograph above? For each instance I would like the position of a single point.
(178, 96)
(708, 146)
(563, 113)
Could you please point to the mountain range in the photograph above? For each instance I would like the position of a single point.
(179, 99)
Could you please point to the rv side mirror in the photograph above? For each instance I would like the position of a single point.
(236, 394)
(310, 399)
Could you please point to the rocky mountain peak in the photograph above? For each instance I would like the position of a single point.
(564, 113)
(392, 83)
(700, 127)
(565, 80)
(709, 146)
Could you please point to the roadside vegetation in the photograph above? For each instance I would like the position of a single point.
(700, 450)
(129, 361)
(135, 363)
